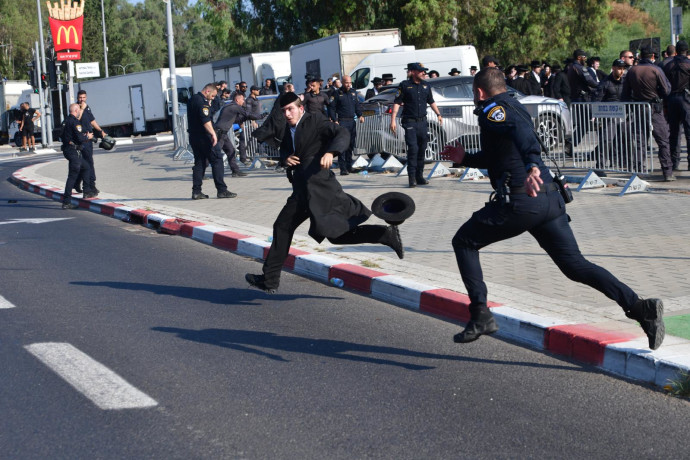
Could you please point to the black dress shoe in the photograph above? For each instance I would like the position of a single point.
(78, 189)
(393, 241)
(344, 172)
(239, 174)
(422, 181)
(69, 206)
(259, 281)
(226, 194)
(90, 195)
(199, 196)
(476, 329)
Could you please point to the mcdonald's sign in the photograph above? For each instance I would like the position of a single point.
(67, 34)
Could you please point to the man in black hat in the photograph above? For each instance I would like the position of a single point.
(489, 61)
(307, 150)
(433, 74)
(534, 79)
(414, 93)
(560, 88)
(677, 71)
(454, 72)
(387, 79)
(371, 92)
(520, 83)
(473, 70)
(646, 82)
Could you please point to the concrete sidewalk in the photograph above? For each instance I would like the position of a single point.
(640, 238)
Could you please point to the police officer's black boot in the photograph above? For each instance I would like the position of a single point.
(649, 313)
(481, 322)
(259, 281)
(421, 181)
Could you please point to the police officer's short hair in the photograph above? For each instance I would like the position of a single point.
(210, 86)
(80, 92)
(237, 94)
(491, 80)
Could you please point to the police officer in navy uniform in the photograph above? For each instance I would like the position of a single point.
(89, 124)
(202, 138)
(414, 93)
(344, 107)
(526, 199)
(74, 138)
(677, 71)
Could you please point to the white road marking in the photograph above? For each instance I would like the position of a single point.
(33, 221)
(4, 303)
(102, 386)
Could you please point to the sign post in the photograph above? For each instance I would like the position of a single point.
(66, 25)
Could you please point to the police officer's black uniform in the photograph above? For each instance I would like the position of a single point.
(678, 73)
(199, 113)
(509, 151)
(74, 138)
(87, 152)
(344, 107)
(415, 97)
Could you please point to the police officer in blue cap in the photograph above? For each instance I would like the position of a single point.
(526, 199)
(415, 93)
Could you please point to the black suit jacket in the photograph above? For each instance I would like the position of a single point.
(332, 212)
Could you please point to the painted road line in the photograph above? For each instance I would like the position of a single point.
(102, 386)
(4, 303)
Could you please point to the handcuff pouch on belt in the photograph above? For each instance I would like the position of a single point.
(502, 193)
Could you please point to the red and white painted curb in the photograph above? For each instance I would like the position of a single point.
(620, 353)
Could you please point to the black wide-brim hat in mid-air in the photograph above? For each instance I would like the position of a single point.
(393, 207)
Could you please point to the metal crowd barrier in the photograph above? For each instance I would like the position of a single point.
(551, 121)
(613, 136)
(183, 150)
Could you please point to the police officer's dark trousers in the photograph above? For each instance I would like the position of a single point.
(416, 139)
(661, 136)
(545, 219)
(345, 158)
(77, 166)
(204, 152)
(678, 113)
(293, 214)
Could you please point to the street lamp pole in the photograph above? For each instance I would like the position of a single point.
(47, 124)
(105, 46)
(173, 77)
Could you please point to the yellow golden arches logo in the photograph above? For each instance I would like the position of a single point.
(67, 32)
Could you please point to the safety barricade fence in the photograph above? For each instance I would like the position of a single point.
(613, 136)
(551, 122)
(182, 151)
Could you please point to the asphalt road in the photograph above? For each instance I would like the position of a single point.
(214, 369)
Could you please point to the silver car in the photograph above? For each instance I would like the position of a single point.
(453, 96)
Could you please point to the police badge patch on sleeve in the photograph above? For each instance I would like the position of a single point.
(78, 128)
(205, 111)
(497, 114)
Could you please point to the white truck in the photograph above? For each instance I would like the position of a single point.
(139, 102)
(338, 54)
(13, 93)
(252, 68)
(394, 60)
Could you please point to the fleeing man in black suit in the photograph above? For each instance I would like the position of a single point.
(307, 150)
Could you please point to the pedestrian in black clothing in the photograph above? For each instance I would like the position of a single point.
(344, 107)
(414, 94)
(526, 199)
(582, 88)
(315, 100)
(231, 113)
(371, 92)
(560, 89)
(520, 83)
(202, 139)
(611, 146)
(74, 137)
(268, 88)
(677, 71)
(89, 123)
(646, 82)
(307, 150)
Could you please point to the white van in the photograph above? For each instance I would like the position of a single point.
(394, 61)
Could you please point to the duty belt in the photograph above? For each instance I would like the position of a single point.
(414, 119)
(543, 189)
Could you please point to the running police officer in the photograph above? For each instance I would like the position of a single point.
(89, 124)
(344, 107)
(677, 71)
(202, 138)
(525, 199)
(415, 94)
(74, 138)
